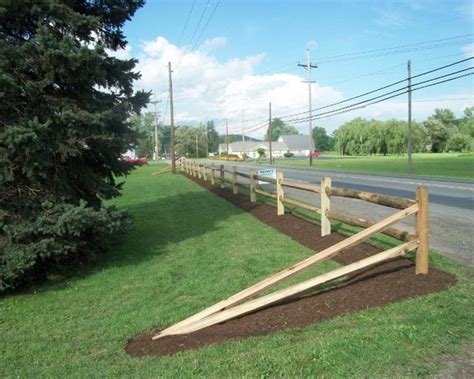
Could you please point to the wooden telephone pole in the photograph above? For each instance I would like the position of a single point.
(270, 132)
(410, 141)
(227, 137)
(173, 163)
(308, 66)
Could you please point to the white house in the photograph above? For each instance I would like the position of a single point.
(296, 144)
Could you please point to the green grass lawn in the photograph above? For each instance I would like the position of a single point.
(452, 165)
(190, 248)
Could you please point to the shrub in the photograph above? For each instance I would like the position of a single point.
(459, 142)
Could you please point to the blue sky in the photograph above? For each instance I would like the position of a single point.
(247, 55)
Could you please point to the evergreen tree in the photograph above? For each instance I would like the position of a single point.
(64, 108)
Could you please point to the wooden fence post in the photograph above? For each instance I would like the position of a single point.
(280, 194)
(204, 174)
(422, 230)
(213, 173)
(198, 168)
(222, 176)
(253, 185)
(235, 191)
(325, 206)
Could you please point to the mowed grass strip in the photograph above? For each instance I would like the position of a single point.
(450, 165)
(190, 248)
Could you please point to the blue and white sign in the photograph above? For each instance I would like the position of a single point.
(268, 173)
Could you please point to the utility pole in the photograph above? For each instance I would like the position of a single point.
(197, 146)
(207, 143)
(243, 134)
(173, 163)
(308, 66)
(157, 141)
(410, 140)
(270, 134)
(227, 136)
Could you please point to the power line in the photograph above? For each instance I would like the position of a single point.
(186, 22)
(364, 105)
(398, 46)
(398, 49)
(381, 96)
(199, 22)
(205, 25)
(381, 88)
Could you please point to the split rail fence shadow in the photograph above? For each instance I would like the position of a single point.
(235, 306)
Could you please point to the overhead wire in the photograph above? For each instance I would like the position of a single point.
(383, 97)
(186, 23)
(444, 42)
(393, 96)
(205, 25)
(380, 88)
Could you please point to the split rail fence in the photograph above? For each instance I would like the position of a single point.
(235, 306)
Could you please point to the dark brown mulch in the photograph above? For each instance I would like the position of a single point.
(388, 282)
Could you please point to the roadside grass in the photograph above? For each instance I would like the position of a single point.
(450, 165)
(190, 248)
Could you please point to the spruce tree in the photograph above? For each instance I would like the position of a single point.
(64, 106)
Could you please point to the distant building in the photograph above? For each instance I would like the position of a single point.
(299, 145)
(130, 154)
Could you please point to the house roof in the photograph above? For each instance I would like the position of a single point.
(251, 146)
(296, 141)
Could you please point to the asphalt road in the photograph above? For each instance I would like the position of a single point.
(451, 204)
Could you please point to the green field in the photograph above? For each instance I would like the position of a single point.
(452, 165)
(189, 249)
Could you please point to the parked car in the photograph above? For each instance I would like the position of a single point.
(136, 161)
(315, 154)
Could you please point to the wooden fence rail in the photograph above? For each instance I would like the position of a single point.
(238, 304)
(325, 190)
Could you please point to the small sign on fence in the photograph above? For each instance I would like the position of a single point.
(268, 173)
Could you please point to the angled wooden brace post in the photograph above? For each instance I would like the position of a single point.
(290, 271)
(264, 301)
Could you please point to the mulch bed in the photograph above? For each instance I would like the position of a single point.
(387, 282)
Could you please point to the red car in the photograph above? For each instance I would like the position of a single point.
(136, 161)
(315, 154)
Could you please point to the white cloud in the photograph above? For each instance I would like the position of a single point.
(206, 88)
(389, 18)
(214, 43)
(468, 50)
(121, 53)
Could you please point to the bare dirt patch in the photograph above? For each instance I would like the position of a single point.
(388, 282)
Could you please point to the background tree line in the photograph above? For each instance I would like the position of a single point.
(440, 132)
(185, 137)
